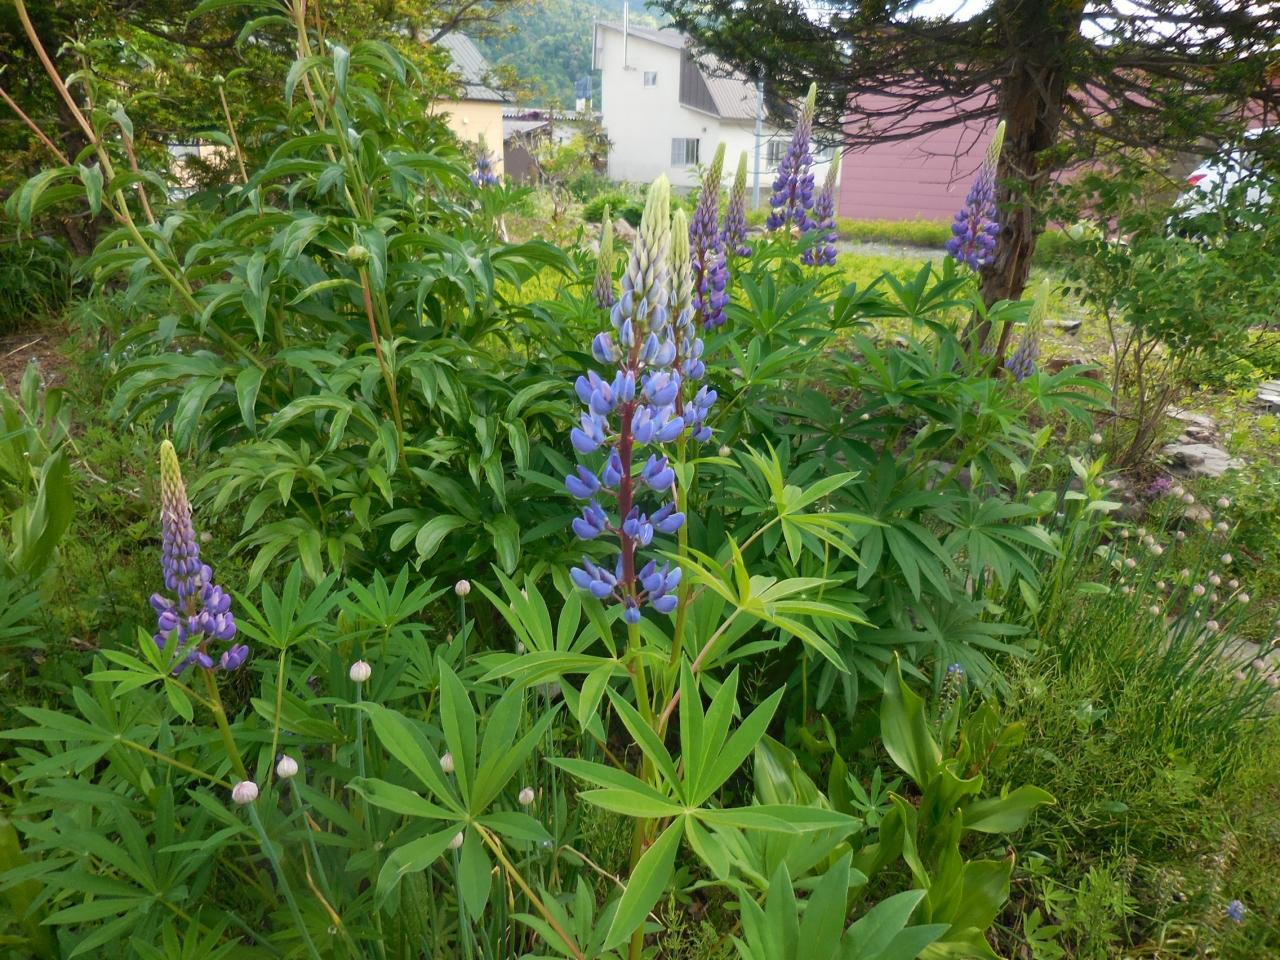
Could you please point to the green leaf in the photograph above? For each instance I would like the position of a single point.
(473, 874)
(458, 719)
(1006, 813)
(905, 729)
(431, 533)
(654, 870)
(414, 856)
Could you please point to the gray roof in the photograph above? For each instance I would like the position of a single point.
(733, 95)
(471, 65)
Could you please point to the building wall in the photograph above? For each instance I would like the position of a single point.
(641, 121)
(922, 178)
(471, 120)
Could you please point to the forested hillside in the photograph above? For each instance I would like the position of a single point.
(548, 43)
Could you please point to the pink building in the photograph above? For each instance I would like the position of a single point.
(925, 177)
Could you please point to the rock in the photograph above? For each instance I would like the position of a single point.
(1269, 396)
(1198, 420)
(624, 231)
(1067, 326)
(1200, 459)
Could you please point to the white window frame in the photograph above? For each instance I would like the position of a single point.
(690, 157)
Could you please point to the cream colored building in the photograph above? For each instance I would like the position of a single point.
(477, 115)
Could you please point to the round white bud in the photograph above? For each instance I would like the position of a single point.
(526, 796)
(446, 762)
(456, 842)
(462, 587)
(246, 791)
(360, 672)
(287, 767)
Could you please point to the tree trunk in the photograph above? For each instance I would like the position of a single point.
(1031, 103)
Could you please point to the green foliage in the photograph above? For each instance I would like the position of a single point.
(35, 282)
(963, 895)
(36, 502)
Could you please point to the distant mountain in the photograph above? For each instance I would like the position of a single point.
(548, 44)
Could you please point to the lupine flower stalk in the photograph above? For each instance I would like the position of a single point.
(734, 236)
(201, 613)
(823, 253)
(634, 410)
(1023, 362)
(688, 360)
(710, 268)
(604, 266)
(483, 174)
(793, 187)
(976, 226)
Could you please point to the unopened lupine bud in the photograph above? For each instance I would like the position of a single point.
(446, 762)
(357, 255)
(360, 672)
(456, 842)
(526, 796)
(462, 588)
(734, 236)
(246, 791)
(287, 767)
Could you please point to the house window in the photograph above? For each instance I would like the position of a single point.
(775, 151)
(651, 78)
(684, 151)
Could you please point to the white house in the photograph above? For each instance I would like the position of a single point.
(664, 113)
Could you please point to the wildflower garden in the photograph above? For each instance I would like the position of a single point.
(380, 578)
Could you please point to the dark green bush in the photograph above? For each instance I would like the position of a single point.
(35, 281)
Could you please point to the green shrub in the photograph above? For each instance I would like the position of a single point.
(35, 281)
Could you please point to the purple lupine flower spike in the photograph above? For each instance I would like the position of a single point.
(823, 253)
(637, 405)
(201, 614)
(733, 238)
(710, 267)
(483, 174)
(1023, 362)
(692, 406)
(603, 288)
(793, 187)
(976, 226)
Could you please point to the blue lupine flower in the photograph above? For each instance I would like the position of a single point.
(688, 359)
(710, 266)
(976, 226)
(202, 611)
(640, 405)
(734, 236)
(793, 187)
(483, 174)
(603, 287)
(1235, 911)
(1023, 362)
(823, 253)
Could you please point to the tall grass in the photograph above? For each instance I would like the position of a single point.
(35, 281)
